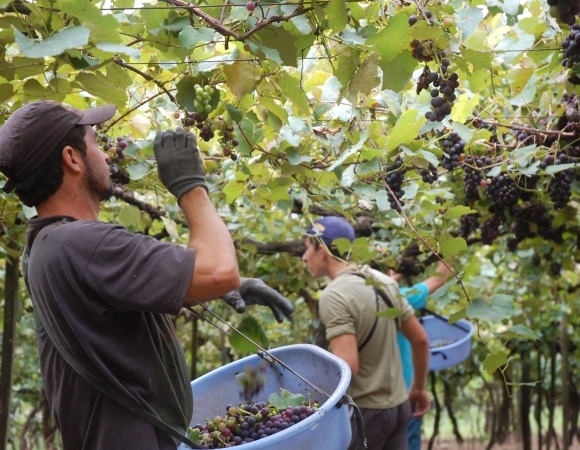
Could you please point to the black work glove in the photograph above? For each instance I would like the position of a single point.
(253, 291)
(179, 163)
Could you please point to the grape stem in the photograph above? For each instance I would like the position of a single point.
(148, 77)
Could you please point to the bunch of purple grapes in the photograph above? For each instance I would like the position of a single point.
(468, 224)
(116, 151)
(503, 190)
(248, 423)
(564, 11)
(443, 93)
(473, 177)
(490, 230)
(454, 147)
(206, 130)
(394, 179)
(560, 188)
(526, 137)
(429, 175)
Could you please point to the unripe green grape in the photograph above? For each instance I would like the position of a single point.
(211, 91)
(207, 108)
(233, 134)
(205, 95)
(207, 88)
(205, 102)
(197, 105)
(196, 87)
(212, 127)
(199, 91)
(222, 426)
(200, 109)
(199, 98)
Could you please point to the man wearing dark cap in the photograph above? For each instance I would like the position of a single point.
(103, 296)
(348, 308)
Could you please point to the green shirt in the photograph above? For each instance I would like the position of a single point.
(348, 306)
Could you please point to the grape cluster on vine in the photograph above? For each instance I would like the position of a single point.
(394, 179)
(206, 130)
(115, 150)
(454, 147)
(503, 190)
(247, 423)
(203, 98)
(526, 137)
(429, 175)
(560, 188)
(472, 177)
(490, 230)
(443, 93)
(468, 224)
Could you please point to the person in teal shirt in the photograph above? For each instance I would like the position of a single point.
(417, 297)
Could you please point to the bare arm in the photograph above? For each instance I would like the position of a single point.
(345, 347)
(418, 395)
(216, 266)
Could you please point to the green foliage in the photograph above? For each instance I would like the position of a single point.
(322, 96)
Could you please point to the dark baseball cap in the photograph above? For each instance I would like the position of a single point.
(32, 132)
(330, 228)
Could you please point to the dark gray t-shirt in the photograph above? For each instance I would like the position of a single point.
(107, 295)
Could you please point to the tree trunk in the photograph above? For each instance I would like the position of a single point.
(503, 422)
(539, 393)
(525, 405)
(552, 395)
(564, 373)
(437, 410)
(448, 399)
(574, 399)
(11, 275)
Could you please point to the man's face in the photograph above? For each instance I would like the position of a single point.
(315, 259)
(98, 179)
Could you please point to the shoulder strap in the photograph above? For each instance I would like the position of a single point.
(105, 388)
(385, 297)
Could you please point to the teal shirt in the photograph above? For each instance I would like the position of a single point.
(418, 300)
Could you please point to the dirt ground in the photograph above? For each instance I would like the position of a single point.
(451, 444)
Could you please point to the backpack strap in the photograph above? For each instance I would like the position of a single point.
(104, 387)
(386, 299)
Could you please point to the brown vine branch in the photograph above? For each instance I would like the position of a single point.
(148, 77)
(520, 128)
(416, 233)
(225, 31)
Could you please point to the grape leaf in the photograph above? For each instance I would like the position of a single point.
(252, 329)
(494, 362)
(286, 399)
(501, 306)
(72, 37)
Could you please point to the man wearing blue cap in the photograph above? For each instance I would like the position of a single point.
(348, 308)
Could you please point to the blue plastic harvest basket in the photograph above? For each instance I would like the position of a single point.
(327, 428)
(450, 343)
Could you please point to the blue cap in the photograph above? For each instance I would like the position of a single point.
(330, 228)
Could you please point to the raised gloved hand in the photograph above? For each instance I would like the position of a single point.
(179, 163)
(253, 291)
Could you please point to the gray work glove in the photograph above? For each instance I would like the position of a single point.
(179, 163)
(253, 291)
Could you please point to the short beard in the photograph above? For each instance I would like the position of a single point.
(94, 185)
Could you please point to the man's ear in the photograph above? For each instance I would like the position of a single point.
(71, 159)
